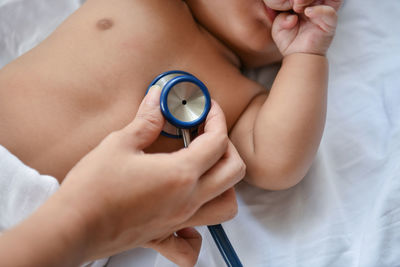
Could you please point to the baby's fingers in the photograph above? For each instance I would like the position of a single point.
(281, 5)
(334, 3)
(323, 16)
(299, 5)
(286, 21)
(284, 30)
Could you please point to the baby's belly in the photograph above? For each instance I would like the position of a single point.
(102, 75)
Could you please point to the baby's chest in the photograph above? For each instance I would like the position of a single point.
(229, 88)
(234, 100)
(233, 95)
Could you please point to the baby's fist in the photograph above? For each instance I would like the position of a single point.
(311, 32)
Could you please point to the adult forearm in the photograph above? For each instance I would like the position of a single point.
(48, 238)
(289, 125)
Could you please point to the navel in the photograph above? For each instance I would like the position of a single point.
(104, 24)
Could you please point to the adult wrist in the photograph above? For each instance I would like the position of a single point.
(65, 229)
(52, 236)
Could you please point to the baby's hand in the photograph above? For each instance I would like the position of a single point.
(298, 6)
(311, 32)
(284, 5)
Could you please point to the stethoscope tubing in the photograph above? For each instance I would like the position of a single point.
(224, 246)
(217, 232)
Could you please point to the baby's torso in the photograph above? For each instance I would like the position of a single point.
(98, 65)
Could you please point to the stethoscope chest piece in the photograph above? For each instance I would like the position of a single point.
(184, 101)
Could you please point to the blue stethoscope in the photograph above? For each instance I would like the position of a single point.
(185, 103)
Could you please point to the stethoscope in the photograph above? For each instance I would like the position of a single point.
(185, 103)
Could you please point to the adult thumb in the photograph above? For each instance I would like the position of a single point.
(148, 123)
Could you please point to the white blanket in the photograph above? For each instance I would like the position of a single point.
(22, 190)
(346, 212)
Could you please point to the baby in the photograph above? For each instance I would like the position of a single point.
(88, 78)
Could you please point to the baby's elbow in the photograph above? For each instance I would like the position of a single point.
(275, 176)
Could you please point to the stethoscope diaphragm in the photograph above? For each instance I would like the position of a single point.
(184, 101)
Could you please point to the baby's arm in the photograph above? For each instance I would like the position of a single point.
(278, 135)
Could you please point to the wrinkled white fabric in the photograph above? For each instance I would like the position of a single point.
(25, 23)
(346, 212)
(22, 189)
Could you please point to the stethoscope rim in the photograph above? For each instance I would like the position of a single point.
(156, 79)
(164, 106)
(186, 77)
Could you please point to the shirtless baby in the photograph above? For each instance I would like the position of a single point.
(59, 100)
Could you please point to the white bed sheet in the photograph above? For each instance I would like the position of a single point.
(346, 212)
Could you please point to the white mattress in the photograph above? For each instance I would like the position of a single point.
(346, 212)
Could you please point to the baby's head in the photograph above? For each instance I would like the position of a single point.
(243, 25)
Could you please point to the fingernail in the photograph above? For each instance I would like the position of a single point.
(153, 96)
(308, 11)
(290, 17)
(188, 232)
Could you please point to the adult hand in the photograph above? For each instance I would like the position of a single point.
(117, 197)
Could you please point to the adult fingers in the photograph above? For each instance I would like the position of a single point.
(216, 211)
(148, 123)
(215, 122)
(182, 248)
(222, 176)
(207, 148)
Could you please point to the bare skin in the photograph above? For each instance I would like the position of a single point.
(88, 78)
(78, 100)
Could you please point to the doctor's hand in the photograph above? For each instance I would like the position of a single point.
(117, 197)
